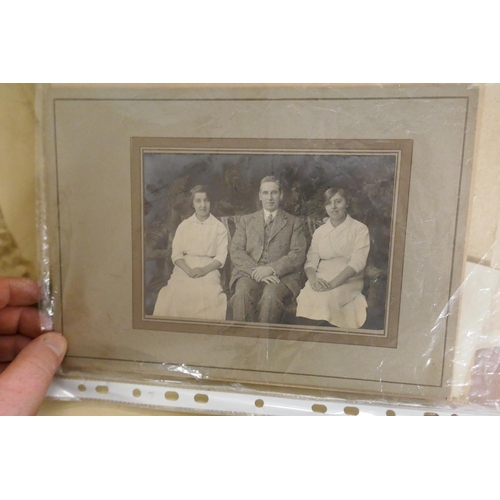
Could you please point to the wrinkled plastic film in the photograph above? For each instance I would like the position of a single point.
(452, 366)
(44, 259)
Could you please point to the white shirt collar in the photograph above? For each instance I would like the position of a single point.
(266, 214)
(193, 219)
(345, 223)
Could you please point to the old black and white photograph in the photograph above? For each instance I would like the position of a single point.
(281, 237)
(296, 238)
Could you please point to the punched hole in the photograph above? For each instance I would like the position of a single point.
(102, 389)
(431, 414)
(259, 403)
(136, 393)
(351, 410)
(171, 396)
(201, 398)
(390, 413)
(318, 408)
(82, 388)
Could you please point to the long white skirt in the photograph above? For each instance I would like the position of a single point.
(344, 306)
(192, 298)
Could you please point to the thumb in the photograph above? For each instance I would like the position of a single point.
(24, 383)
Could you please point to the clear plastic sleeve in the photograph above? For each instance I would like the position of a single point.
(373, 287)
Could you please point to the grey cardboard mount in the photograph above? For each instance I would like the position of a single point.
(92, 170)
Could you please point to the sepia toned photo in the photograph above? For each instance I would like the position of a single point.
(292, 240)
(287, 237)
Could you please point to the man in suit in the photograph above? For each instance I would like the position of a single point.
(268, 252)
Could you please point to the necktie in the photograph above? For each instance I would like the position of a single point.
(269, 219)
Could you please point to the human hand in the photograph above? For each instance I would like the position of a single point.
(319, 285)
(261, 272)
(271, 279)
(197, 272)
(188, 270)
(28, 358)
(326, 289)
(330, 285)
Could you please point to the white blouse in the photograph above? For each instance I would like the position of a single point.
(350, 241)
(202, 239)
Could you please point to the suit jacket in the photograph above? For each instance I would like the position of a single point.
(286, 249)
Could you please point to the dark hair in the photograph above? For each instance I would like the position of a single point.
(331, 192)
(271, 178)
(199, 189)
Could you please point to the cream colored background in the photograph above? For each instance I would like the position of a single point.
(17, 159)
(17, 193)
(486, 200)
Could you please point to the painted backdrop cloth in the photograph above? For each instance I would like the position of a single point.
(332, 249)
(198, 243)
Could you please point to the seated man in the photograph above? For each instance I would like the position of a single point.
(268, 252)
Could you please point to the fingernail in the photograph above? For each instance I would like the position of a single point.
(55, 342)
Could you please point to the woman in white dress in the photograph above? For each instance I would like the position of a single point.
(335, 267)
(199, 250)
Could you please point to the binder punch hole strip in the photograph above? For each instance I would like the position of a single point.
(176, 398)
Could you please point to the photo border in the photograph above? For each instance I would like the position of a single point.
(401, 148)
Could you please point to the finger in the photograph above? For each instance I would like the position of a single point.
(18, 292)
(11, 346)
(23, 320)
(25, 381)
